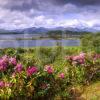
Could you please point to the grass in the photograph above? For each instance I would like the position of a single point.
(92, 92)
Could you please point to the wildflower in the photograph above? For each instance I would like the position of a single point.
(7, 84)
(18, 68)
(78, 59)
(3, 65)
(49, 69)
(82, 55)
(31, 70)
(61, 75)
(12, 61)
(5, 58)
(2, 84)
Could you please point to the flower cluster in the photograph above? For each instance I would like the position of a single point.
(12, 60)
(49, 69)
(31, 70)
(18, 68)
(5, 84)
(78, 59)
(61, 75)
(5, 61)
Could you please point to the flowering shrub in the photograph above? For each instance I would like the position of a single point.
(78, 59)
(17, 80)
(31, 70)
(48, 69)
(87, 64)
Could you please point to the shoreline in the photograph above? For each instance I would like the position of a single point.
(43, 38)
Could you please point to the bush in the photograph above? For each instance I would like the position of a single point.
(91, 42)
(20, 79)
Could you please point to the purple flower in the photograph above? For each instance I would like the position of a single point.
(18, 68)
(31, 70)
(13, 61)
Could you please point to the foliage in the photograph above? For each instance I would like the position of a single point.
(91, 42)
(26, 75)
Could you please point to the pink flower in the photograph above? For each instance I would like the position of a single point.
(78, 59)
(18, 68)
(31, 70)
(5, 84)
(3, 65)
(82, 55)
(49, 69)
(5, 58)
(61, 75)
(12, 61)
(2, 84)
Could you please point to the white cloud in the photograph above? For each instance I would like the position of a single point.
(88, 16)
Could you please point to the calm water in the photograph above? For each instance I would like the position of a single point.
(33, 43)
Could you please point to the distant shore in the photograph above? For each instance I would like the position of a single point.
(41, 38)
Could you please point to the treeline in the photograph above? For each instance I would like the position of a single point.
(65, 34)
(91, 42)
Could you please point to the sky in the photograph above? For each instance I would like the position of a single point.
(19, 14)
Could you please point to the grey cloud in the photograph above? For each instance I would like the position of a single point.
(85, 2)
(2, 21)
(43, 4)
(77, 2)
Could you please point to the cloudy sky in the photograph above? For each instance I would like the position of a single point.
(18, 14)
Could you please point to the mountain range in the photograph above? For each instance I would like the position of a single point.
(44, 30)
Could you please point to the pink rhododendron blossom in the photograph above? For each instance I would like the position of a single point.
(2, 84)
(12, 61)
(3, 65)
(31, 70)
(82, 55)
(5, 58)
(78, 59)
(61, 75)
(49, 69)
(18, 68)
(5, 84)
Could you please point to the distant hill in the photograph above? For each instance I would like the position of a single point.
(34, 30)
